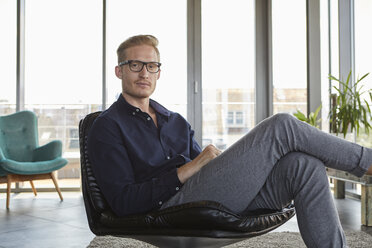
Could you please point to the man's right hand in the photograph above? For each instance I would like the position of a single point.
(209, 153)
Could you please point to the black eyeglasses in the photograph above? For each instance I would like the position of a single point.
(137, 66)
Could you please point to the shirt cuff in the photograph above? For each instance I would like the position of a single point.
(171, 185)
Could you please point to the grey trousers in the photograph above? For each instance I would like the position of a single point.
(280, 160)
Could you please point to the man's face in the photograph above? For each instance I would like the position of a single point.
(138, 84)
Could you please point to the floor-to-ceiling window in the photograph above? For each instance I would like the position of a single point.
(63, 72)
(289, 56)
(8, 43)
(165, 19)
(64, 61)
(228, 71)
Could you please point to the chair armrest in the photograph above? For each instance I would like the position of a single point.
(49, 151)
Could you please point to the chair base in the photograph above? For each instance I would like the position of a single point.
(185, 242)
(14, 178)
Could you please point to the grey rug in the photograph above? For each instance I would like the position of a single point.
(274, 239)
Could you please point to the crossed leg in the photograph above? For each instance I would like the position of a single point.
(241, 173)
(302, 178)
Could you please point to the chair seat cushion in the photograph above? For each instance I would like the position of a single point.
(2, 172)
(201, 217)
(31, 168)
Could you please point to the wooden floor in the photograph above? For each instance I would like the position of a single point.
(45, 221)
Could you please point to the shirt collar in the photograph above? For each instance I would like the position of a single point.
(159, 108)
(155, 105)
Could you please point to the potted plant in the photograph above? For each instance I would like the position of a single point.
(348, 112)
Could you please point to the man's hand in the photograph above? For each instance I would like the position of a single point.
(187, 170)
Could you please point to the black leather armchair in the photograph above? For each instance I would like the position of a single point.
(196, 224)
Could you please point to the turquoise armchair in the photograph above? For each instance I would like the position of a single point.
(21, 157)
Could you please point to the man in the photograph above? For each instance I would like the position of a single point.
(145, 157)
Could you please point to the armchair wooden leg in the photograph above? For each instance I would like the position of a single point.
(56, 185)
(339, 189)
(33, 188)
(366, 204)
(8, 189)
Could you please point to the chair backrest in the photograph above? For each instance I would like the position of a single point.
(18, 135)
(94, 201)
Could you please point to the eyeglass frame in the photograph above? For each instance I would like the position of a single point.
(144, 64)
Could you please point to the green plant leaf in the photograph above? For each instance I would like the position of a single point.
(367, 104)
(300, 116)
(312, 119)
(365, 75)
(317, 111)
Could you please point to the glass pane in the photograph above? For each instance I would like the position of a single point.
(363, 53)
(8, 49)
(124, 21)
(63, 72)
(228, 70)
(363, 40)
(289, 56)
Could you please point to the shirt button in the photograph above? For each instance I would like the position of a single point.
(148, 118)
(134, 113)
(177, 188)
(168, 157)
(160, 202)
(137, 110)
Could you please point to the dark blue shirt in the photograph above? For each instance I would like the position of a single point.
(134, 161)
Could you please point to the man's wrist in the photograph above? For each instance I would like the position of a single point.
(186, 171)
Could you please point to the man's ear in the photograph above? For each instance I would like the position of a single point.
(118, 72)
(158, 74)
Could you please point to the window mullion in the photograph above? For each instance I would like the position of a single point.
(346, 38)
(194, 79)
(20, 98)
(264, 80)
(313, 55)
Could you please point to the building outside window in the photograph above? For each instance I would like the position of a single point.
(235, 119)
(239, 118)
(230, 118)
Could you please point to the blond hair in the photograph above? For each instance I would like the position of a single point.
(137, 41)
